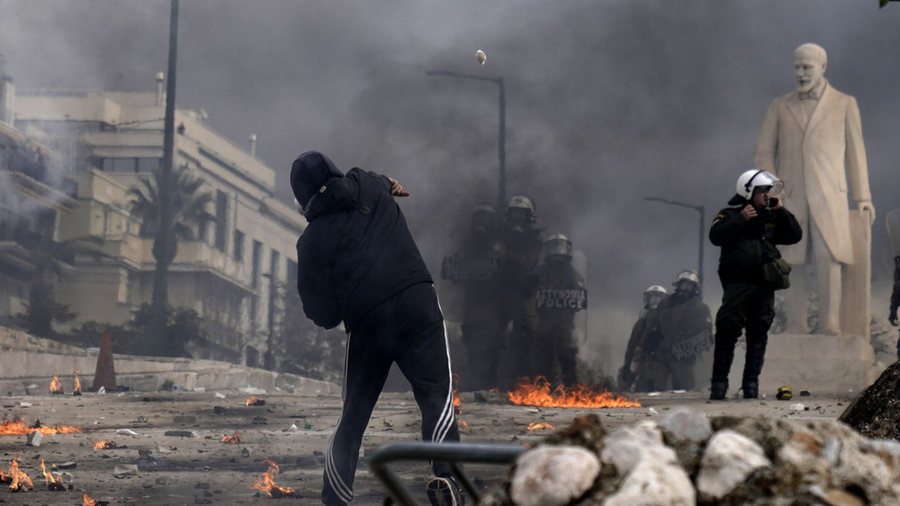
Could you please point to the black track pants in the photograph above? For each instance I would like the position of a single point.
(407, 329)
(744, 307)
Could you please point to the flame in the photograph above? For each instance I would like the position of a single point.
(537, 393)
(254, 401)
(234, 439)
(540, 426)
(105, 445)
(88, 501)
(457, 401)
(266, 482)
(20, 480)
(54, 481)
(76, 389)
(20, 428)
(55, 386)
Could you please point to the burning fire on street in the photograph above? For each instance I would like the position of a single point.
(461, 424)
(540, 426)
(88, 501)
(254, 401)
(234, 439)
(20, 428)
(56, 386)
(18, 480)
(266, 483)
(105, 445)
(538, 392)
(54, 480)
(76, 388)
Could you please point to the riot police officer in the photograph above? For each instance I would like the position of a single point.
(523, 244)
(628, 372)
(560, 295)
(677, 331)
(476, 270)
(750, 269)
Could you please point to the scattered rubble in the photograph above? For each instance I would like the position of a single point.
(689, 459)
(554, 475)
(875, 412)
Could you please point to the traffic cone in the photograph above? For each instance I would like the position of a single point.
(105, 374)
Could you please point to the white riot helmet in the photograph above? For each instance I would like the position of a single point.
(521, 202)
(653, 294)
(755, 178)
(558, 244)
(687, 275)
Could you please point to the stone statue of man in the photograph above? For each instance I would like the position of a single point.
(812, 140)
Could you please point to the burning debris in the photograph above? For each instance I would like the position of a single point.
(539, 392)
(91, 502)
(76, 385)
(18, 480)
(54, 480)
(20, 428)
(254, 401)
(105, 445)
(234, 439)
(540, 426)
(56, 386)
(266, 483)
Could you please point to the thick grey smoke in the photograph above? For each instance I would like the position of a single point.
(608, 102)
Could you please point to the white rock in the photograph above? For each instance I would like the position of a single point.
(651, 484)
(797, 406)
(220, 395)
(126, 432)
(728, 460)
(124, 470)
(653, 394)
(626, 447)
(686, 425)
(101, 390)
(553, 475)
(652, 411)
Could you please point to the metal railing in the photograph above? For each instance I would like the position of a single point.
(451, 453)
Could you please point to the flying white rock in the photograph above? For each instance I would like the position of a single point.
(481, 56)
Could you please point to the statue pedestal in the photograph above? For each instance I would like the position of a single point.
(820, 364)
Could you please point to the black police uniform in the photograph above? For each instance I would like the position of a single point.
(895, 298)
(518, 278)
(747, 301)
(626, 377)
(677, 331)
(555, 339)
(358, 264)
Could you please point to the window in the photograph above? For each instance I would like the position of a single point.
(221, 219)
(291, 271)
(120, 165)
(147, 165)
(254, 273)
(238, 246)
(273, 265)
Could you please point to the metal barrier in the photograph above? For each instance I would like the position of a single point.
(451, 453)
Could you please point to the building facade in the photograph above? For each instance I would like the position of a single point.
(229, 274)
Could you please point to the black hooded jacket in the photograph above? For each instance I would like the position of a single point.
(357, 250)
(748, 244)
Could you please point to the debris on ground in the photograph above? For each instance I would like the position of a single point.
(687, 458)
(875, 412)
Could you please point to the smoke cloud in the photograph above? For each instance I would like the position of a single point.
(608, 103)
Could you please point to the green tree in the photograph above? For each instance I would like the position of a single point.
(188, 207)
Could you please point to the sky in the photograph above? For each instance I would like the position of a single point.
(608, 102)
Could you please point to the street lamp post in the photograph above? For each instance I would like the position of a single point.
(700, 209)
(501, 135)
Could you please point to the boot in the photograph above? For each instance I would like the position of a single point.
(717, 390)
(751, 390)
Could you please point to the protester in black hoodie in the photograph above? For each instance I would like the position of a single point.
(358, 264)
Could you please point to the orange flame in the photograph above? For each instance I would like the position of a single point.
(540, 426)
(20, 480)
(55, 386)
(20, 428)
(234, 439)
(88, 501)
(54, 481)
(254, 401)
(266, 483)
(105, 445)
(76, 389)
(538, 393)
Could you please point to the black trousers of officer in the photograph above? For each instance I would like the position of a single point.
(407, 329)
(746, 307)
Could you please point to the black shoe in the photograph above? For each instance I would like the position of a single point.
(444, 492)
(751, 390)
(717, 391)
